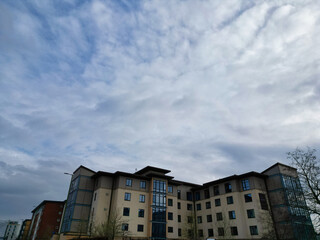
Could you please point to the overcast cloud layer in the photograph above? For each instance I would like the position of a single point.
(204, 88)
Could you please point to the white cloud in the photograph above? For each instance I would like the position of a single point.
(183, 85)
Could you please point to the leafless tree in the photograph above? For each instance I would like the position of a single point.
(308, 168)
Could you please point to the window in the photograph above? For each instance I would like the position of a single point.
(208, 205)
(189, 206)
(179, 205)
(179, 194)
(142, 198)
(263, 201)
(140, 228)
(129, 182)
(143, 184)
(209, 218)
(125, 227)
(250, 213)
(141, 213)
(126, 211)
(198, 206)
(206, 194)
(219, 216)
(170, 229)
(189, 196)
(253, 230)
(179, 232)
(199, 219)
(95, 196)
(217, 202)
(228, 187)
(248, 197)
(127, 196)
(232, 215)
(245, 184)
(170, 189)
(220, 231)
(216, 190)
(200, 233)
(189, 219)
(234, 231)
(197, 196)
(179, 218)
(210, 232)
(170, 216)
(170, 202)
(230, 200)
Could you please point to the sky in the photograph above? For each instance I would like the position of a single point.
(206, 89)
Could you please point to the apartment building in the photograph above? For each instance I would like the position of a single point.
(23, 235)
(153, 205)
(45, 220)
(12, 230)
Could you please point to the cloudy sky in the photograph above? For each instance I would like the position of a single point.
(204, 88)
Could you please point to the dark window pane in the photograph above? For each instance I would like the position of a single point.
(217, 202)
(141, 213)
(143, 184)
(248, 197)
(219, 216)
(140, 228)
(129, 182)
(198, 206)
(189, 196)
(234, 231)
(220, 231)
(228, 187)
(126, 211)
(206, 194)
(230, 200)
(245, 184)
(210, 232)
(263, 201)
(209, 218)
(197, 196)
(208, 205)
(253, 230)
(250, 213)
(216, 190)
(170, 202)
(232, 215)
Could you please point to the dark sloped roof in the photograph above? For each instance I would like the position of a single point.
(154, 169)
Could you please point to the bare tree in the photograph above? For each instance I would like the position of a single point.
(308, 168)
(111, 228)
(190, 227)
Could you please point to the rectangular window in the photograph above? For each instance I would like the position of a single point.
(127, 196)
(179, 232)
(232, 215)
(189, 219)
(95, 196)
(140, 228)
(179, 205)
(170, 189)
(199, 219)
(219, 216)
(234, 231)
(179, 194)
(245, 184)
(250, 213)
(208, 205)
(220, 231)
(248, 197)
(170, 202)
(125, 227)
(228, 187)
(189, 206)
(198, 206)
(230, 200)
(141, 213)
(206, 194)
(126, 211)
(128, 182)
(143, 184)
(253, 230)
(216, 190)
(170, 229)
(200, 233)
(189, 196)
(170, 216)
(217, 202)
(210, 232)
(209, 218)
(197, 196)
(142, 198)
(179, 218)
(263, 201)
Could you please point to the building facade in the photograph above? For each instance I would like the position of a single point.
(12, 230)
(23, 235)
(45, 220)
(150, 204)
